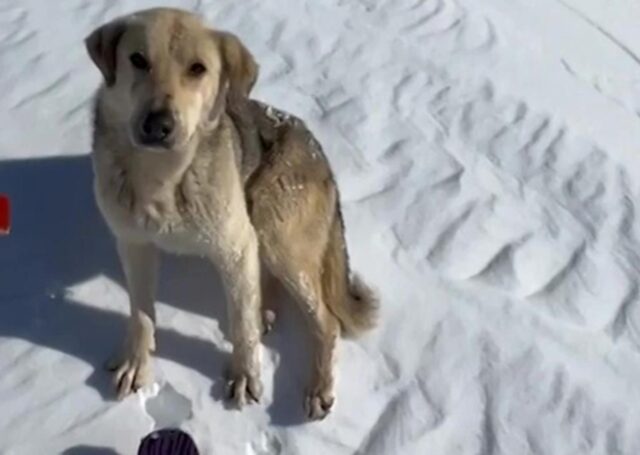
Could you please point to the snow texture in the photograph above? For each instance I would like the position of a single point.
(488, 155)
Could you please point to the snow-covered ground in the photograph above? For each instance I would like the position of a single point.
(488, 154)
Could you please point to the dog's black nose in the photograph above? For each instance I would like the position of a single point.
(156, 127)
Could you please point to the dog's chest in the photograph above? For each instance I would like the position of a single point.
(160, 220)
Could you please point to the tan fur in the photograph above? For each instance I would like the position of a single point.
(240, 183)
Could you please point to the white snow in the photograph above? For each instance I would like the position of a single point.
(488, 154)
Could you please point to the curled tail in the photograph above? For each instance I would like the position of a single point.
(349, 298)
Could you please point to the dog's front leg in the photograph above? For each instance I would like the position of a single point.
(239, 265)
(132, 368)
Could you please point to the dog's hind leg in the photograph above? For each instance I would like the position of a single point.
(326, 330)
(302, 280)
(292, 213)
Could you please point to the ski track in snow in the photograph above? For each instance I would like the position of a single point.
(487, 159)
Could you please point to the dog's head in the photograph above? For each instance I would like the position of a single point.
(166, 74)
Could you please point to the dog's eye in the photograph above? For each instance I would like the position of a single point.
(197, 69)
(139, 62)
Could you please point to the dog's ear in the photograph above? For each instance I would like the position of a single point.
(102, 45)
(239, 66)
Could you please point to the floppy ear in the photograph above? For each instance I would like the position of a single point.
(239, 65)
(102, 45)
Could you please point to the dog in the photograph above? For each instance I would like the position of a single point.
(185, 162)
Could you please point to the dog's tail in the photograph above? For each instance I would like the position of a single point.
(347, 296)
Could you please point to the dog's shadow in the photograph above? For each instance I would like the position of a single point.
(58, 239)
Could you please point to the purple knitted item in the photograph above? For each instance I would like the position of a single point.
(167, 442)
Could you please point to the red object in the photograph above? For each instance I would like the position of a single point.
(5, 214)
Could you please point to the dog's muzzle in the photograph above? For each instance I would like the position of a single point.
(157, 128)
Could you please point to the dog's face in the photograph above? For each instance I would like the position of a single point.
(166, 74)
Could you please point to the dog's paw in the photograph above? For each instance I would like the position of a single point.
(319, 402)
(244, 388)
(131, 373)
(268, 321)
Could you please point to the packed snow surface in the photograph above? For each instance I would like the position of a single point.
(488, 155)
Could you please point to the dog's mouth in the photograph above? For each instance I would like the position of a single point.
(152, 146)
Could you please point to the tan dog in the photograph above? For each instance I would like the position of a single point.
(185, 162)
